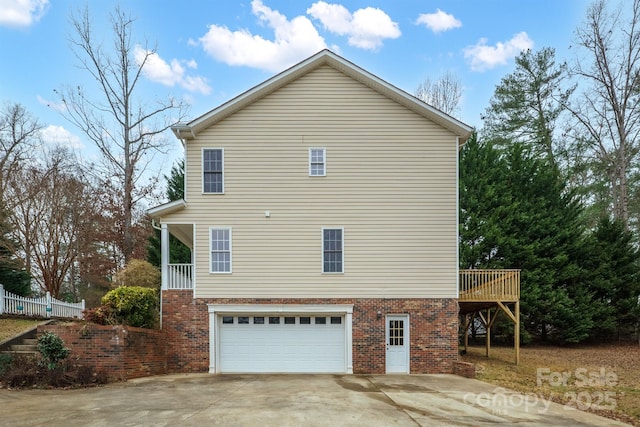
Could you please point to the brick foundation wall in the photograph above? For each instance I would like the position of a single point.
(185, 323)
(124, 352)
(433, 333)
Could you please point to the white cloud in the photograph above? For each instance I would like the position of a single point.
(439, 21)
(58, 135)
(170, 74)
(59, 107)
(366, 28)
(21, 13)
(483, 57)
(294, 40)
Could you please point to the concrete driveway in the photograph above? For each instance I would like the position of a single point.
(288, 400)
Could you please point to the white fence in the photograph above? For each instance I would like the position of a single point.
(38, 307)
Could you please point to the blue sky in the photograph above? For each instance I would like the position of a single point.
(210, 51)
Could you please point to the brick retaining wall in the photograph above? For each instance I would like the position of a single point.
(464, 369)
(124, 352)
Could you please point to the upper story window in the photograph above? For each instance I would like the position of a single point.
(317, 162)
(213, 170)
(220, 250)
(332, 250)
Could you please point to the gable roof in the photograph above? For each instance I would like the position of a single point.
(187, 131)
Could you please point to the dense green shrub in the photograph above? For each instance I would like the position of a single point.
(133, 305)
(139, 273)
(51, 348)
(5, 363)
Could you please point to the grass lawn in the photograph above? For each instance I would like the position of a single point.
(600, 379)
(11, 326)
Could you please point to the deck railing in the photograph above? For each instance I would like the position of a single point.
(45, 306)
(180, 276)
(489, 285)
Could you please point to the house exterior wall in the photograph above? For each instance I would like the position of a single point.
(390, 183)
(433, 323)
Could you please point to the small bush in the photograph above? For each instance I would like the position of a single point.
(21, 372)
(87, 375)
(26, 371)
(52, 350)
(133, 306)
(139, 273)
(102, 315)
(5, 363)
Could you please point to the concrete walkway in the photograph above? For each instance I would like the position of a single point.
(288, 400)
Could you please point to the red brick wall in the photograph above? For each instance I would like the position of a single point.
(433, 333)
(124, 352)
(464, 369)
(185, 323)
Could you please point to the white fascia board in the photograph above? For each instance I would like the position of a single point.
(167, 208)
(281, 308)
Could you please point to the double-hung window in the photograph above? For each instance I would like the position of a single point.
(213, 170)
(332, 250)
(220, 250)
(317, 162)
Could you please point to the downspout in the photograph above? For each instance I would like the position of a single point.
(457, 233)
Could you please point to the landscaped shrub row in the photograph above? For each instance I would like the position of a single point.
(22, 371)
(50, 368)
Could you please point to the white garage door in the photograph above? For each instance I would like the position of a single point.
(277, 343)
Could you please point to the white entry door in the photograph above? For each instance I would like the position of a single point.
(397, 360)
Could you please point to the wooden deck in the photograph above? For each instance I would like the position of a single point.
(483, 295)
(489, 285)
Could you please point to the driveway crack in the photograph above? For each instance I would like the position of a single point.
(392, 402)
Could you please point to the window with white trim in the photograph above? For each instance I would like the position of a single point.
(220, 250)
(332, 250)
(213, 170)
(317, 162)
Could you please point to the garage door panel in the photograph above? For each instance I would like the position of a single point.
(282, 347)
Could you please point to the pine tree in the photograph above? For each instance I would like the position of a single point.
(516, 213)
(178, 252)
(614, 280)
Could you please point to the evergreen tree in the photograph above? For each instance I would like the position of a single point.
(13, 277)
(178, 252)
(528, 102)
(516, 213)
(614, 280)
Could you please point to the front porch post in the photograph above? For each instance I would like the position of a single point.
(164, 255)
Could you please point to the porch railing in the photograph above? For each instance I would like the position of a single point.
(180, 276)
(489, 285)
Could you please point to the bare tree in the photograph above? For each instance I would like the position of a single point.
(444, 93)
(607, 114)
(53, 218)
(126, 130)
(19, 134)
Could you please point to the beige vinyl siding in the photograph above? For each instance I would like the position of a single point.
(390, 182)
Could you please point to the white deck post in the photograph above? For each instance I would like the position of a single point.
(164, 255)
(1, 298)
